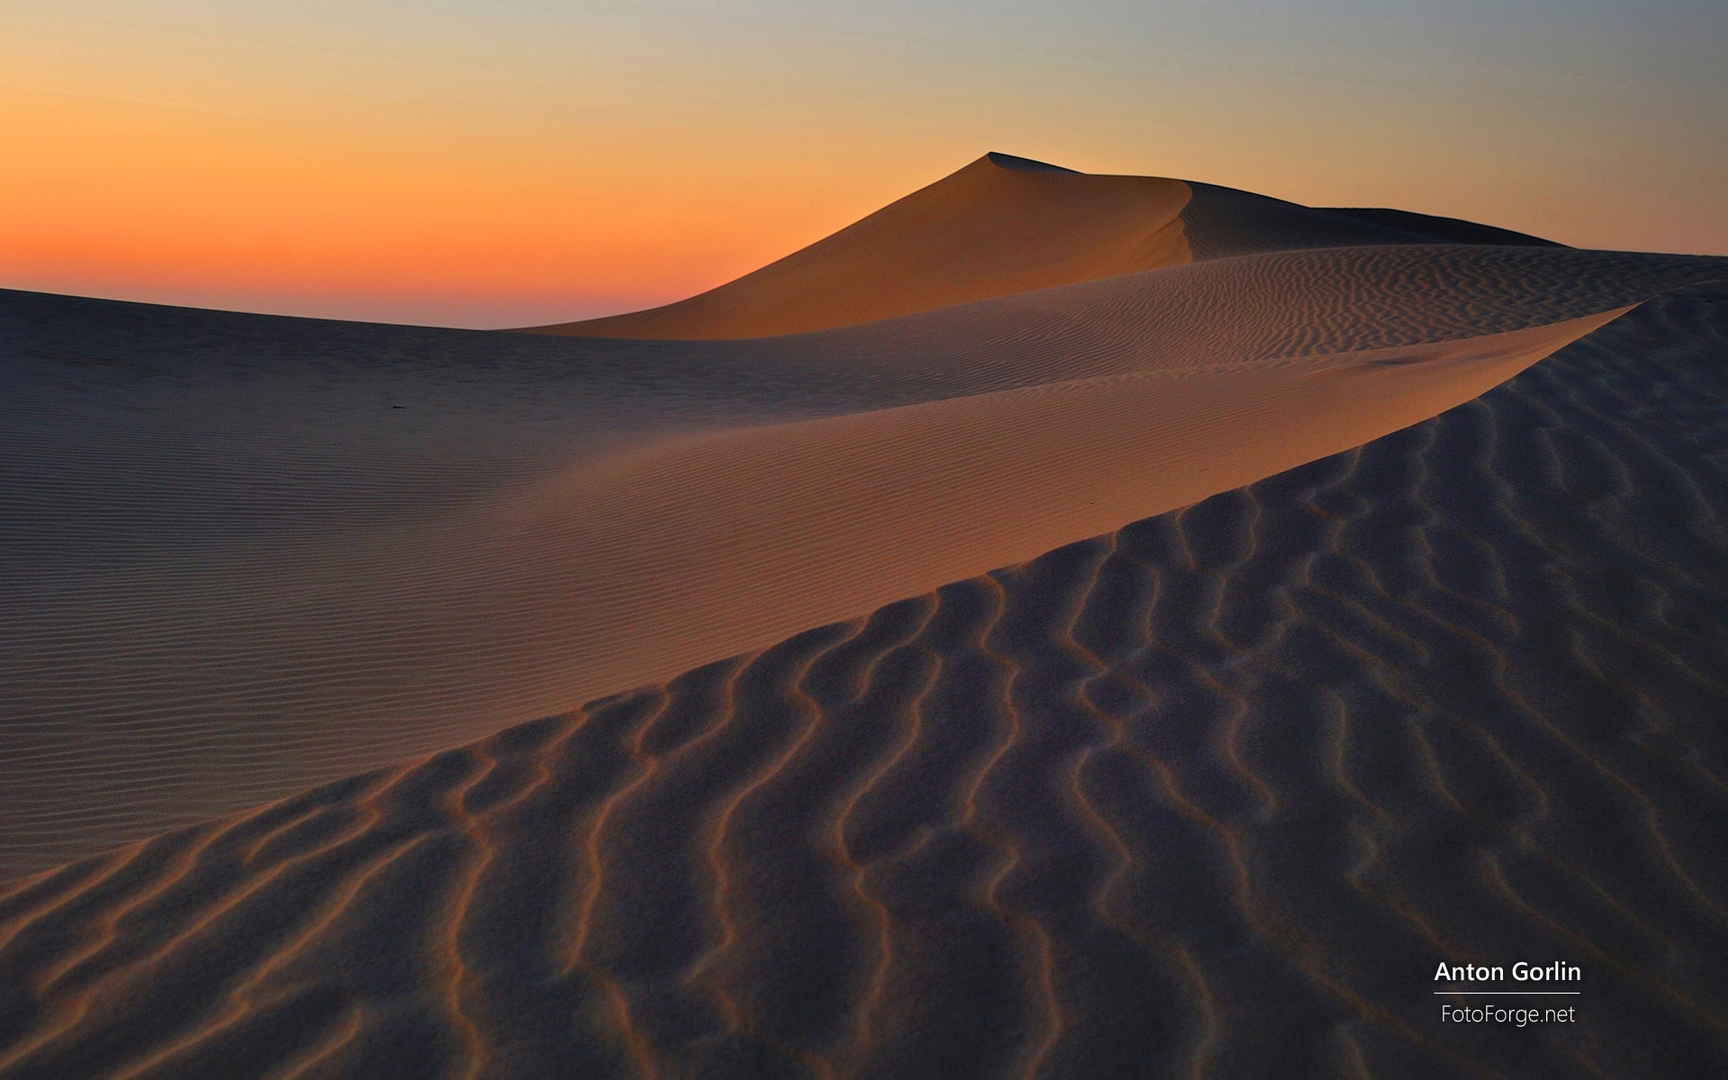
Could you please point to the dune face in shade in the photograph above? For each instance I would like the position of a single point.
(249, 554)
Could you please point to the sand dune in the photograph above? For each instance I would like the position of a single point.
(1002, 224)
(1207, 795)
(1163, 800)
(1006, 224)
(242, 569)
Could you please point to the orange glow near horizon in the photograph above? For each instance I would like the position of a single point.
(202, 211)
(513, 164)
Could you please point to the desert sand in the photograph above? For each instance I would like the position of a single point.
(1060, 625)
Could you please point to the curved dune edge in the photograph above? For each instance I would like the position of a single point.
(249, 573)
(1000, 225)
(1208, 795)
(1005, 225)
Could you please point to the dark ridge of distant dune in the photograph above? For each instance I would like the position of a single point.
(241, 555)
(1444, 230)
(1222, 222)
(1210, 795)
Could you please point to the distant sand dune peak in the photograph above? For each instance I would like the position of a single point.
(1006, 224)
(1013, 161)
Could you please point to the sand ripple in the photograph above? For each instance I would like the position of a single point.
(245, 555)
(1208, 794)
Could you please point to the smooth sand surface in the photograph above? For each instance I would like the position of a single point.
(1002, 224)
(1210, 792)
(1006, 224)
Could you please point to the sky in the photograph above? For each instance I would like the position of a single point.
(522, 161)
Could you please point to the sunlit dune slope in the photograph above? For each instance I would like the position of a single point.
(1005, 225)
(244, 554)
(1002, 224)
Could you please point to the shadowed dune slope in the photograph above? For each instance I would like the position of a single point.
(244, 555)
(1440, 229)
(1221, 222)
(1208, 795)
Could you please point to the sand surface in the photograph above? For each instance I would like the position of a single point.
(1209, 792)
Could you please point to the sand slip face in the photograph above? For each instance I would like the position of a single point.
(245, 555)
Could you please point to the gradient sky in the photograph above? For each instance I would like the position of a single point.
(521, 161)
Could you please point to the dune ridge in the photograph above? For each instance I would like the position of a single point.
(248, 571)
(1003, 224)
(1207, 794)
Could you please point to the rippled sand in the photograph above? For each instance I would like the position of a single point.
(883, 768)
